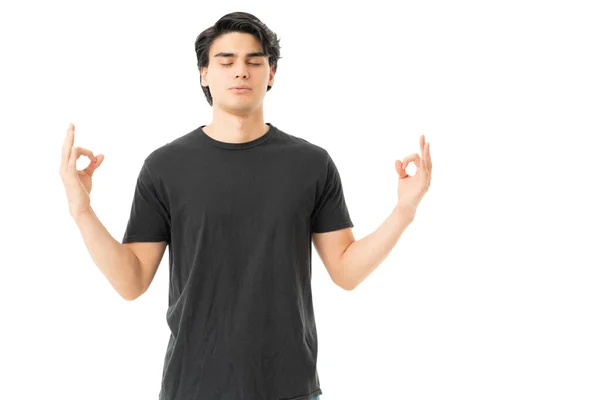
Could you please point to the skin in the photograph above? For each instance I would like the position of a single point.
(78, 184)
(411, 189)
(351, 261)
(238, 118)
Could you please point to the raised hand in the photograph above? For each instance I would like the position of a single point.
(78, 184)
(411, 189)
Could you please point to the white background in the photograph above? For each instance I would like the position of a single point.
(491, 293)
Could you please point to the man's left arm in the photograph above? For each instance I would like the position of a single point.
(350, 261)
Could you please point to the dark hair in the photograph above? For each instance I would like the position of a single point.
(236, 22)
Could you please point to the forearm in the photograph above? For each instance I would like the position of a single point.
(362, 257)
(117, 262)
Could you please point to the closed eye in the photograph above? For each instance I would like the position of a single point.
(248, 63)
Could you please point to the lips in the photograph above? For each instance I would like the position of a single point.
(240, 91)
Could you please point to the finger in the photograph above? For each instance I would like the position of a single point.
(429, 164)
(86, 152)
(422, 144)
(426, 162)
(76, 152)
(72, 160)
(67, 145)
(414, 158)
(94, 164)
(400, 170)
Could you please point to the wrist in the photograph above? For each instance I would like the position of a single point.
(405, 211)
(82, 214)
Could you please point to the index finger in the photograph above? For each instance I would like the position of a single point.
(68, 144)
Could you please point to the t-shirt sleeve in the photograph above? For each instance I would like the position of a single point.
(149, 219)
(330, 212)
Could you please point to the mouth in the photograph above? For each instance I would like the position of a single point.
(240, 90)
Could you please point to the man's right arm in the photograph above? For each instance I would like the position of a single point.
(129, 267)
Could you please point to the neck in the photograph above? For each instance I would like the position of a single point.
(236, 128)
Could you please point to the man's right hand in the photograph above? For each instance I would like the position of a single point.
(78, 184)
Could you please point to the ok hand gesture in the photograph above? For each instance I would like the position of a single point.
(78, 184)
(411, 189)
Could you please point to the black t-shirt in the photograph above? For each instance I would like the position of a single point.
(238, 219)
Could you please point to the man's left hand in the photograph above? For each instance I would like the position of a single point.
(411, 189)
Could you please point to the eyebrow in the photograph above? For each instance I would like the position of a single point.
(255, 54)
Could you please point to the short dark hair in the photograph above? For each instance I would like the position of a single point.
(236, 22)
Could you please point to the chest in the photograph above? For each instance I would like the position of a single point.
(236, 192)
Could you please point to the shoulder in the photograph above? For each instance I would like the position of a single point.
(163, 157)
(299, 145)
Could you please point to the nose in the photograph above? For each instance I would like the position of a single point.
(241, 71)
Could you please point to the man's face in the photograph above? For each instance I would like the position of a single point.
(231, 63)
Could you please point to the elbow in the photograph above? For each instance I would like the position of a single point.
(347, 285)
(343, 280)
(130, 295)
(132, 290)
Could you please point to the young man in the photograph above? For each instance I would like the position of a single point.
(238, 202)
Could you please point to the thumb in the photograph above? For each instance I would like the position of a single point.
(400, 169)
(94, 165)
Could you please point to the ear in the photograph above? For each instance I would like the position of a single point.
(271, 75)
(203, 82)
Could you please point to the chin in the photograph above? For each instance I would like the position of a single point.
(237, 108)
